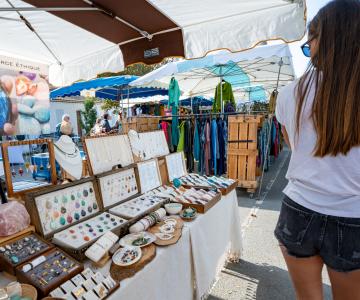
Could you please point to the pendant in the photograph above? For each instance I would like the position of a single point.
(21, 171)
(31, 168)
(27, 165)
(13, 173)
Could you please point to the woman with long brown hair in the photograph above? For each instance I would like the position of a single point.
(319, 222)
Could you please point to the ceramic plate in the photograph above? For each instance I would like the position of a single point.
(140, 239)
(127, 256)
(182, 214)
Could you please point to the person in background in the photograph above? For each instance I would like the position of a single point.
(65, 127)
(97, 129)
(319, 222)
(106, 124)
(118, 124)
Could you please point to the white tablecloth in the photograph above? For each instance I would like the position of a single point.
(194, 262)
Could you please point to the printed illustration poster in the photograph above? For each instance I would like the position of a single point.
(24, 97)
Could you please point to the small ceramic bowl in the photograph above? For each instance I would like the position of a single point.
(173, 208)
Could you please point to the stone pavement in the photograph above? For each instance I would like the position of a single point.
(261, 274)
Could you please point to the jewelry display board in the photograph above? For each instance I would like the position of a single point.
(85, 233)
(20, 249)
(9, 173)
(106, 152)
(148, 145)
(50, 270)
(56, 208)
(175, 164)
(117, 186)
(138, 206)
(149, 175)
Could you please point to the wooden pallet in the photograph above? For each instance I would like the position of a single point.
(242, 150)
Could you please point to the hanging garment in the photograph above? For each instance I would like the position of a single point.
(188, 146)
(174, 93)
(196, 141)
(227, 96)
(207, 149)
(214, 145)
(181, 144)
(164, 127)
(272, 101)
(175, 127)
(221, 157)
(170, 144)
(202, 146)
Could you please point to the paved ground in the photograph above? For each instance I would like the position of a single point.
(262, 273)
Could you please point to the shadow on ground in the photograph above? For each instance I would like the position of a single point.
(264, 281)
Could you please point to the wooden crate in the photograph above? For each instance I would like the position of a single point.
(242, 149)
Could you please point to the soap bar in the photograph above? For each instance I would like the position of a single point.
(90, 295)
(89, 284)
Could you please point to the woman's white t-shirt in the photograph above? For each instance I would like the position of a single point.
(329, 185)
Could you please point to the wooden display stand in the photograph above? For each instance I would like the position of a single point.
(242, 150)
(7, 168)
(140, 124)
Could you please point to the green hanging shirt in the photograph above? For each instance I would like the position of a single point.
(174, 93)
(227, 96)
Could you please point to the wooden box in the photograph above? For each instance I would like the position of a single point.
(242, 149)
(8, 265)
(56, 210)
(118, 186)
(176, 168)
(36, 276)
(105, 152)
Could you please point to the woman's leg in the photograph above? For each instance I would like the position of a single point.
(345, 286)
(306, 275)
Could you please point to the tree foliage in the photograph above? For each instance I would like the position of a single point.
(110, 105)
(140, 69)
(89, 115)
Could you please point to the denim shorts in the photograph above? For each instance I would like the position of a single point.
(305, 233)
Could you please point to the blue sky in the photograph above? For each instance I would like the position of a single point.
(300, 61)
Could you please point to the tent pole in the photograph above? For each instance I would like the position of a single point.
(128, 101)
(281, 63)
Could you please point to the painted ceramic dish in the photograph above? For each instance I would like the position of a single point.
(127, 256)
(141, 239)
(189, 213)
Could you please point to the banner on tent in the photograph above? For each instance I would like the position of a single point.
(24, 97)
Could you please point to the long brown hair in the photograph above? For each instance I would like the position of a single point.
(335, 73)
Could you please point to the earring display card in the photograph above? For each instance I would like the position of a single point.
(60, 208)
(20, 250)
(147, 145)
(81, 235)
(138, 206)
(149, 175)
(175, 164)
(95, 287)
(106, 152)
(54, 269)
(118, 186)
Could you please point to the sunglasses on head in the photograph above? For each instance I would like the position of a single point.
(306, 48)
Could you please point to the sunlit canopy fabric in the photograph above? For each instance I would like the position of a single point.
(86, 40)
(114, 88)
(252, 72)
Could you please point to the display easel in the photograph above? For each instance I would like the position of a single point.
(7, 169)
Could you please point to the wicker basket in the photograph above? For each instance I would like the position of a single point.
(29, 291)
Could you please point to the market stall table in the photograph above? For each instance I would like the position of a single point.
(193, 262)
(187, 269)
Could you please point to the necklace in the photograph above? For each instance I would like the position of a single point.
(71, 155)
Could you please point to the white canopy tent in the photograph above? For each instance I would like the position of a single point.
(265, 67)
(74, 53)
